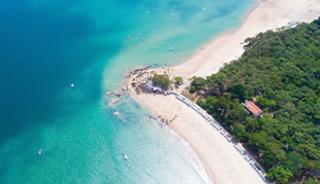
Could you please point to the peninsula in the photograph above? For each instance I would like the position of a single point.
(224, 160)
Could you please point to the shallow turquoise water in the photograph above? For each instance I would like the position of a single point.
(46, 45)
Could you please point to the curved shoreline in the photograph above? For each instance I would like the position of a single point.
(263, 16)
(222, 162)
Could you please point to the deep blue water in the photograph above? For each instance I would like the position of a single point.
(45, 45)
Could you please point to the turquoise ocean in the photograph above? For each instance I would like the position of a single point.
(51, 133)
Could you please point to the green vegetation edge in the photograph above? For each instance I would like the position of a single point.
(281, 72)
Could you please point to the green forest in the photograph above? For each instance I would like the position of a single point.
(281, 71)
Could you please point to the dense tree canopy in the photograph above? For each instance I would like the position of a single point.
(282, 70)
(162, 81)
(178, 81)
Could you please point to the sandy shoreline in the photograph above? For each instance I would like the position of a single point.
(265, 15)
(223, 163)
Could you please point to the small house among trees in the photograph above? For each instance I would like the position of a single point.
(252, 108)
(282, 70)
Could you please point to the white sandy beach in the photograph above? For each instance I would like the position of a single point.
(266, 15)
(223, 163)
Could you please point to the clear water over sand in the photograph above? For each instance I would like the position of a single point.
(52, 133)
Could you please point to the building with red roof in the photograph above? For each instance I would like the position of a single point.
(252, 108)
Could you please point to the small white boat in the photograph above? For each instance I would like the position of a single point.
(109, 93)
(40, 151)
(125, 157)
(116, 113)
(72, 85)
